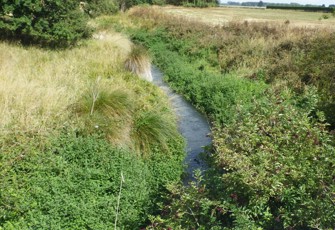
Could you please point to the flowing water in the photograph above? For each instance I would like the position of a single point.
(192, 125)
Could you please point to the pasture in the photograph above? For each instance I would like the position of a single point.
(221, 15)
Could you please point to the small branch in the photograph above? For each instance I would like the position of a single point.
(194, 216)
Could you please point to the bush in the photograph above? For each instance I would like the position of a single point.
(279, 164)
(52, 23)
(316, 67)
(97, 7)
(189, 207)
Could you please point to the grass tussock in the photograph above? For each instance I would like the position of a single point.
(138, 62)
(152, 127)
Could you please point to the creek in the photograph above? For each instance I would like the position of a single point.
(193, 126)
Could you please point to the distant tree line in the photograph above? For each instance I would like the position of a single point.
(304, 8)
(262, 4)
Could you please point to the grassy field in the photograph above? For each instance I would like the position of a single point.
(221, 15)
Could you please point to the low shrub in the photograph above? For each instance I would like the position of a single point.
(279, 164)
(189, 207)
(74, 184)
(97, 7)
(306, 62)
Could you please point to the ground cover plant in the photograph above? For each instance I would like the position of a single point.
(76, 146)
(274, 155)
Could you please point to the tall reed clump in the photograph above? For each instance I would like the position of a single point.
(138, 62)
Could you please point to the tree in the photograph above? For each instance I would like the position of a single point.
(260, 4)
(46, 22)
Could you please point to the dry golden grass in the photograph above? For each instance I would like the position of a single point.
(222, 15)
(86, 89)
(139, 63)
(38, 87)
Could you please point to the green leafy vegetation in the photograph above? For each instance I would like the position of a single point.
(74, 183)
(190, 207)
(86, 144)
(273, 160)
(97, 7)
(279, 163)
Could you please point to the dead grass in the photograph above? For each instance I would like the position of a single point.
(36, 87)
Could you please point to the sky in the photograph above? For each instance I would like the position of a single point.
(314, 2)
